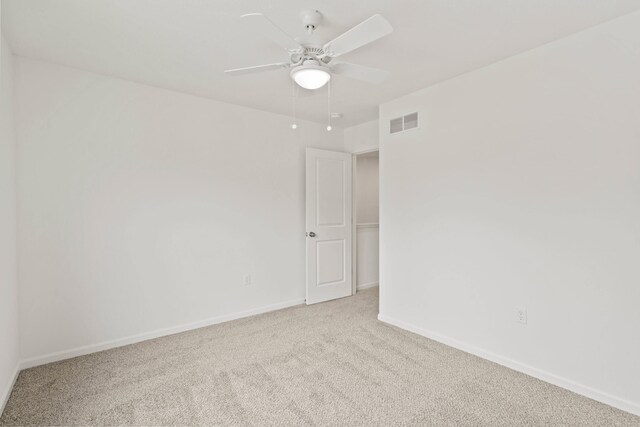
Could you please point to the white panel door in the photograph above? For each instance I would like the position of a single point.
(328, 225)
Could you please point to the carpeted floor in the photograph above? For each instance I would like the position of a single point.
(328, 364)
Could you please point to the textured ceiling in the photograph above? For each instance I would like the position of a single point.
(185, 45)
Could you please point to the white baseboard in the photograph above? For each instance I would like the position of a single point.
(106, 345)
(4, 397)
(578, 388)
(367, 286)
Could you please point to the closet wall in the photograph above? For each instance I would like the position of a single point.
(367, 228)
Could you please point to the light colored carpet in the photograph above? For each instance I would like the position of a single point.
(328, 364)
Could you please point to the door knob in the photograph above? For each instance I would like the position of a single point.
(312, 234)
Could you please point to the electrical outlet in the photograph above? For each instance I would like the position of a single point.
(521, 315)
(246, 280)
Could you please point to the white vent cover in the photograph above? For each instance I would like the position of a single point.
(396, 125)
(399, 124)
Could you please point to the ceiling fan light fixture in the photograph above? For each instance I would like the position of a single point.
(311, 75)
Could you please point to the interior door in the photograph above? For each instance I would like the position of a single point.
(329, 236)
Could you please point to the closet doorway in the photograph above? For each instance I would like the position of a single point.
(366, 224)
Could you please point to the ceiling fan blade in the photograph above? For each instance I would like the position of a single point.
(360, 72)
(271, 30)
(257, 68)
(364, 33)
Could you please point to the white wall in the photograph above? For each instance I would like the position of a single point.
(367, 230)
(9, 352)
(367, 256)
(367, 189)
(522, 188)
(362, 137)
(142, 208)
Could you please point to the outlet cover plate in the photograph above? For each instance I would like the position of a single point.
(521, 315)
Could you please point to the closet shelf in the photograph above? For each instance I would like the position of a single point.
(368, 225)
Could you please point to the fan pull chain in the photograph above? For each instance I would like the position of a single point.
(329, 106)
(294, 125)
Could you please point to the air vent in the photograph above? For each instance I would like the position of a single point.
(399, 124)
(396, 125)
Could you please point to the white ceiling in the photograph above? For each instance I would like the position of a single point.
(185, 45)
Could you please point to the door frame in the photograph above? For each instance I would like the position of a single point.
(354, 216)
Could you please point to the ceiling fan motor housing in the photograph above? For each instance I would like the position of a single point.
(310, 53)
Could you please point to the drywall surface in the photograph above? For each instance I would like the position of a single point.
(521, 188)
(367, 256)
(367, 189)
(141, 209)
(367, 201)
(363, 137)
(9, 353)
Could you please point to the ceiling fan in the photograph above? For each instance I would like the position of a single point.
(311, 61)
